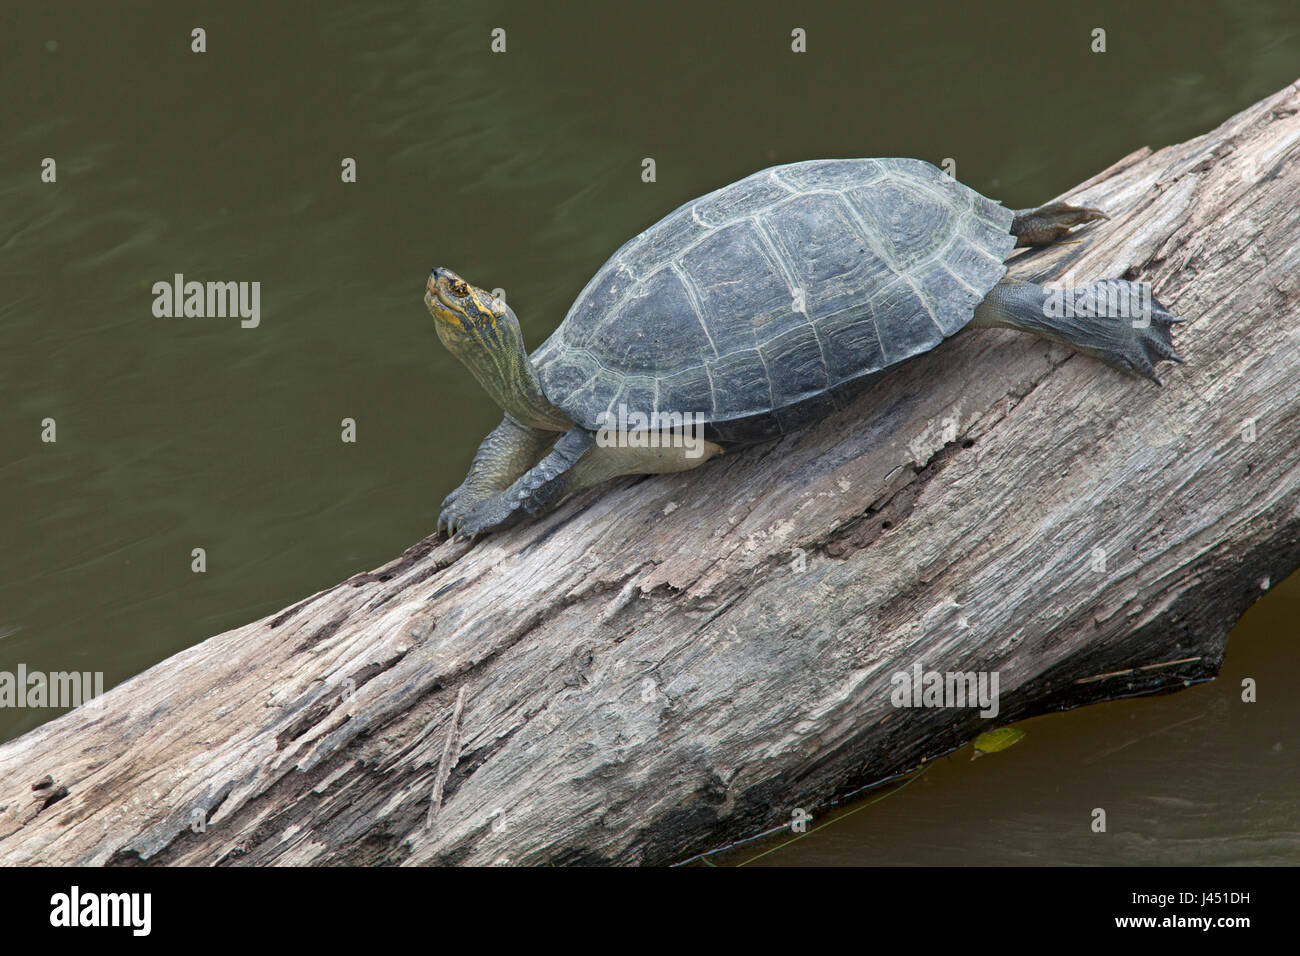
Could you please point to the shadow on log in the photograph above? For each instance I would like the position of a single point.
(680, 661)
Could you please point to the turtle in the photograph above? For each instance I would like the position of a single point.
(753, 311)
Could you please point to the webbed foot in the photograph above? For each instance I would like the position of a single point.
(1153, 341)
(1125, 325)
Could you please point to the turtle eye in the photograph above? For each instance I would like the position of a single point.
(459, 289)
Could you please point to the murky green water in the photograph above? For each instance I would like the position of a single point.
(521, 171)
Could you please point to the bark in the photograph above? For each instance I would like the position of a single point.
(675, 662)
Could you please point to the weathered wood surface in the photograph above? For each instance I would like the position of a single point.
(645, 674)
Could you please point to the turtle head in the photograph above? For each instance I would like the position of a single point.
(483, 332)
(469, 319)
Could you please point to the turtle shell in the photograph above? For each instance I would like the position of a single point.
(772, 301)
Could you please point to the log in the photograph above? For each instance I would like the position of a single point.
(676, 662)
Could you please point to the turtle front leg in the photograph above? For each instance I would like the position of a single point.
(507, 452)
(579, 461)
(1046, 224)
(539, 489)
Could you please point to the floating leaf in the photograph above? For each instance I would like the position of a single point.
(995, 740)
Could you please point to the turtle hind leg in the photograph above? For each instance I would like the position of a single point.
(1117, 321)
(1046, 224)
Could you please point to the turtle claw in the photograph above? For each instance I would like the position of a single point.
(465, 529)
(489, 515)
(1143, 366)
(457, 513)
(1155, 344)
(450, 517)
(465, 520)
(1066, 215)
(456, 531)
